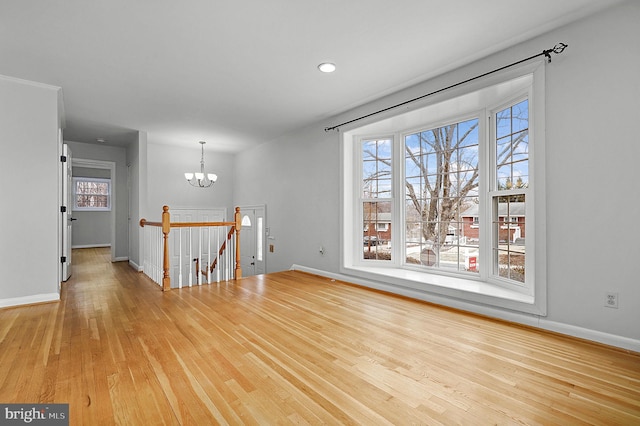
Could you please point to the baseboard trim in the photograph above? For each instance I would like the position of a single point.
(29, 300)
(135, 266)
(90, 246)
(520, 318)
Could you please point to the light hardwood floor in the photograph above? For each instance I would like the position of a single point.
(291, 348)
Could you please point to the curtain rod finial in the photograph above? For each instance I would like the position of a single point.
(557, 49)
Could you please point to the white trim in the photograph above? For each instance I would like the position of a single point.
(512, 316)
(29, 300)
(90, 246)
(30, 82)
(135, 266)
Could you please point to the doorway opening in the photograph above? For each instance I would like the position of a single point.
(109, 168)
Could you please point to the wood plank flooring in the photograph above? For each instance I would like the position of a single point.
(292, 348)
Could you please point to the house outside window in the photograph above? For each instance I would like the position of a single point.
(375, 198)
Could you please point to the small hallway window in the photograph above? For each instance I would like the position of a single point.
(92, 194)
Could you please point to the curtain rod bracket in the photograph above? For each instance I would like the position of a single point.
(557, 49)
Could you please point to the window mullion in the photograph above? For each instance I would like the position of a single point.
(485, 164)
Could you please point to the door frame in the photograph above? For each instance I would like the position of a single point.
(66, 218)
(111, 166)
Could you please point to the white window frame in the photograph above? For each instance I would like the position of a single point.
(530, 298)
(94, 209)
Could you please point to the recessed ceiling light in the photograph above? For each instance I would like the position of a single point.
(327, 67)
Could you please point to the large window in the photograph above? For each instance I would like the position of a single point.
(92, 194)
(443, 196)
(441, 180)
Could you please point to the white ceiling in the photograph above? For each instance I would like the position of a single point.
(240, 73)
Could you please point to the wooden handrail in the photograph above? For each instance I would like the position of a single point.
(166, 225)
(222, 248)
(144, 222)
(199, 224)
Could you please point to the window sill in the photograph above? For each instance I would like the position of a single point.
(428, 285)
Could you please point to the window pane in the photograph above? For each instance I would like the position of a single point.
(92, 193)
(376, 168)
(512, 147)
(443, 183)
(509, 237)
(92, 201)
(376, 230)
(259, 242)
(520, 116)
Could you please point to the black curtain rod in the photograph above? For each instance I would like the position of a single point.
(557, 49)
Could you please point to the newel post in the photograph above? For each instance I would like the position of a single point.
(238, 220)
(166, 227)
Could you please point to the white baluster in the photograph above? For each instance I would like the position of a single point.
(209, 273)
(229, 251)
(180, 258)
(218, 254)
(198, 274)
(190, 257)
(159, 256)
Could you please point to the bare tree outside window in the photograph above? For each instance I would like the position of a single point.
(92, 194)
(441, 170)
(441, 200)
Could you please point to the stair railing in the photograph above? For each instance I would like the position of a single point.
(156, 247)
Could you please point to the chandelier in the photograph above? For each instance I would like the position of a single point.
(202, 179)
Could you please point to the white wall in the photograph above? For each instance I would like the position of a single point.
(166, 184)
(592, 114)
(593, 147)
(298, 179)
(135, 155)
(29, 202)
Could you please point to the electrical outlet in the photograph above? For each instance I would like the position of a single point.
(611, 300)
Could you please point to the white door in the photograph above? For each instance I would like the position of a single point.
(67, 206)
(252, 241)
